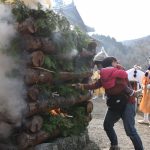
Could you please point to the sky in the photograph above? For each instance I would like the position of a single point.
(121, 19)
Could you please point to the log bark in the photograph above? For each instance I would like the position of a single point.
(45, 77)
(32, 76)
(32, 43)
(48, 46)
(27, 26)
(55, 102)
(89, 107)
(36, 59)
(36, 107)
(61, 102)
(65, 76)
(35, 76)
(34, 124)
(92, 46)
(26, 140)
(33, 93)
(35, 43)
(38, 76)
(85, 53)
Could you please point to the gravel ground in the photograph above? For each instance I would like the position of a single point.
(98, 138)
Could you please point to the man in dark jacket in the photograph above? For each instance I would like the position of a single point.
(120, 101)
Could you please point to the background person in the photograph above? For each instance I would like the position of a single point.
(98, 58)
(145, 102)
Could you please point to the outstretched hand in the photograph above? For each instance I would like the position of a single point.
(78, 86)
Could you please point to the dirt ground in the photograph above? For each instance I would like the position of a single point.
(98, 138)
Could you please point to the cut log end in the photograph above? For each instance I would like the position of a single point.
(37, 58)
(34, 124)
(27, 26)
(33, 93)
(36, 107)
(26, 140)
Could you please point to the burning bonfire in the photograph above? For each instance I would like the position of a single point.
(52, 57)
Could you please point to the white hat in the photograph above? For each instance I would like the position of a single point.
(101, 55)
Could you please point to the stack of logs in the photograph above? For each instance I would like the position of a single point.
(37, 48)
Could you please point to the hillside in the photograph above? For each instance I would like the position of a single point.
(141, 47)
(128, 52)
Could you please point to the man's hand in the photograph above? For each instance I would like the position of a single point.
(120, 67)
(78, 86)
(138, 93)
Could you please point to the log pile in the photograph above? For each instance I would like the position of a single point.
(48, 86)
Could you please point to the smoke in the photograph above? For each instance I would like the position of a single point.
(5, 129)
(11, 89)
(7, 30)
(59, 40)
(69, 55)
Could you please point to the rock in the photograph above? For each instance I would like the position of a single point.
(67, 143)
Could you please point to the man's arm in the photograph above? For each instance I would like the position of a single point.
(93, 86)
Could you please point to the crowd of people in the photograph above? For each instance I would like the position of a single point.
(112, 78)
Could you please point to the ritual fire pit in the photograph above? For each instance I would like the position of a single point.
(56, 113)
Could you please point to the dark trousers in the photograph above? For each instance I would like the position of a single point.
(128, 117)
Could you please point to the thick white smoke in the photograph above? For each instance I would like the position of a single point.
(7, 30)
(11, 90)
(70, 54)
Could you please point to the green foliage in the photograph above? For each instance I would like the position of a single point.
(50, 62)
(55, 122)
(82, 39)
(84, 68)
(20, 11)
(67, 41)
(65, 65)
(68, 66)
(79, 120)
(61, 89)
(48, 22)
(56, 64)
(63, 23)
(67, 126)
(45, 21)
(65, 90)
(72, 39)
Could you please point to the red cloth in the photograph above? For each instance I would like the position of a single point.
(113, 80)
(110, 74)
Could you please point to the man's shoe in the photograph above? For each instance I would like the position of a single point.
(143, 122)
(114, 147)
